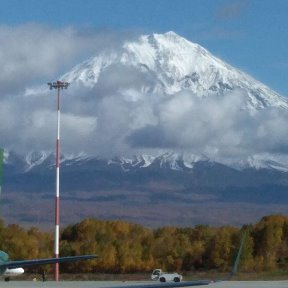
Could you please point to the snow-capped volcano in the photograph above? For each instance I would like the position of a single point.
(171, 64)
(205, 137)
(163, 98)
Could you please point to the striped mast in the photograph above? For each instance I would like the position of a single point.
(57, 200)
(57, 85)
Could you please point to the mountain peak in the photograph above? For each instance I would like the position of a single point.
(172, 33)
(171, 37)
(172, 64)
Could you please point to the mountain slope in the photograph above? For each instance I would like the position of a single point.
(173, 64)
(160, 193)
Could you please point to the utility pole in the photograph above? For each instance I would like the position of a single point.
(59, 85)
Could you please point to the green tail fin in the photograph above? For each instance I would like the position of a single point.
(237, 260)
(3, 256)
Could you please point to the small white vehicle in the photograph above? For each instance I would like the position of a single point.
(158, 274)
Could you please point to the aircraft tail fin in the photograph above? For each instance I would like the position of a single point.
(237, 259)
(4, 257)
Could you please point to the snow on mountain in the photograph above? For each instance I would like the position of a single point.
(263, 162)
(181, 162)
(168, 160)
(74, 157)
(135, 162)
(172, 64)
(35, 159)
(176, 64)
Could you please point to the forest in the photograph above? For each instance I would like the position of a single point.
(127, 248)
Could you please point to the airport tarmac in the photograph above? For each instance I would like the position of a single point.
(106, 284)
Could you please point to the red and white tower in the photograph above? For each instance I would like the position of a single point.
(59, 85)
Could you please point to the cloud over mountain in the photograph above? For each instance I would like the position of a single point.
(152, 94)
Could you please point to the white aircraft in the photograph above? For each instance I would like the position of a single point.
(14, 268)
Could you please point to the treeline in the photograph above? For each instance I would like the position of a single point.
(124, 247)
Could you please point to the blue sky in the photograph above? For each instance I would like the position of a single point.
(249, 34)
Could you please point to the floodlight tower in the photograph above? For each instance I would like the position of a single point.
(59, 85)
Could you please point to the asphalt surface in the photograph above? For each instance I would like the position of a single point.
(106, 284)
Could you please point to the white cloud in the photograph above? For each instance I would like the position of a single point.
(118, 116)
(217, 127)
(32, 52)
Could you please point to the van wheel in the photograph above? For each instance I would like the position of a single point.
(7, 279)
(176, 279)
(162, 279)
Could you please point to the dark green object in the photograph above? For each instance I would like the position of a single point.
(237, 260)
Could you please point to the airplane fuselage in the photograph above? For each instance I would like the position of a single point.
(13, 272)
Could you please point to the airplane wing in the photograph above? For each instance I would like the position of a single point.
(167, 284)
(24, 263)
